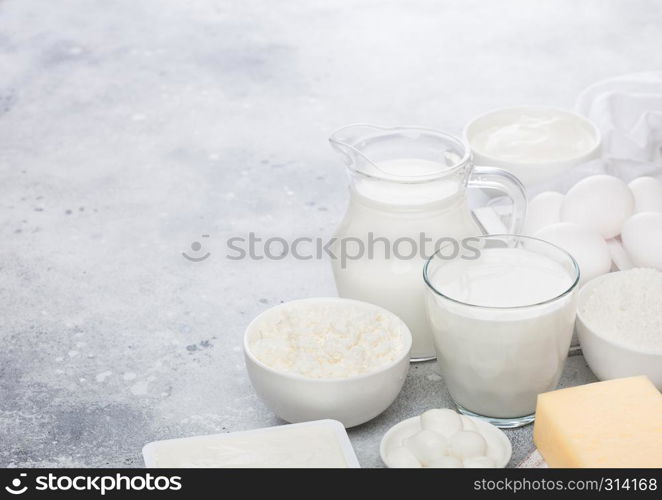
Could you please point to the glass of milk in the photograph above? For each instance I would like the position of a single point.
(407, 197)
(502, 313)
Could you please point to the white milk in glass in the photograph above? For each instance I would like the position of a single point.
(381, 234)
(504, 337)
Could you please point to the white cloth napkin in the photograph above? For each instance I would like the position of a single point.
(628, 111)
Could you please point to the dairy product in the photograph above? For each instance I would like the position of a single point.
(427, 446)
(617, 423)
(503, 277)
(322, 443)
(387, 271)
(626, 307)
(533, 135)
(468, 444)
(502, 327)
(534, 143)
(400, 457)
(440, 438)
(407, 198)
(442, 421)
(328, 340)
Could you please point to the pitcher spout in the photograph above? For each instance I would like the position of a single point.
(347, 141)
(400, 154)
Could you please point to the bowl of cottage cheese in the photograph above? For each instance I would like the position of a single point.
(322, 358)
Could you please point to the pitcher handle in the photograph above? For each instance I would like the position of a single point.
(502, 180)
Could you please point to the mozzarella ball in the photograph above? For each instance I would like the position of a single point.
(427, 446)
(642, 239)
(468, 444)
(601, 203)
(496, 449)
(647, 193)
(401, 457)
(478, 463)
(588, 248)
(468, 424)
(542, 211)
(446, 462)
(442, 421)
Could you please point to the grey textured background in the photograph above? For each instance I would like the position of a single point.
(129, 128)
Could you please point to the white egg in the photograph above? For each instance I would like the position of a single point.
(468, 424)
(443, 421)
(647, 193)
(478, 463)
(467, 444)
(542, 211)
(588, 248)
(446, 462)
(601, 202)
(427, 446)
(642, 239)
(401, 457)
(619, 256)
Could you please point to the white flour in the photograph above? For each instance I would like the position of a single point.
(627, 307)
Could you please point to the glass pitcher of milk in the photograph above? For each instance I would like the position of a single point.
(407, 199)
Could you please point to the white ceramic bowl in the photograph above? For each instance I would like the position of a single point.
(352, 400)
(498, 443)
(527, 172)
(610, 359)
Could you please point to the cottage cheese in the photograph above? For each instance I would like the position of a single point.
(328, 340)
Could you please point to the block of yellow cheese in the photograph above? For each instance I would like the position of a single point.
(616, 423)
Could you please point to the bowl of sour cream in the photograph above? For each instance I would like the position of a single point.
(535, 143)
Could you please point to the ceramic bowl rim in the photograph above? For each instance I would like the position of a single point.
(582, 297)
(571, 160)
(502, 437)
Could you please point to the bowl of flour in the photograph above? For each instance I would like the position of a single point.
(323, 358)
(619, 324)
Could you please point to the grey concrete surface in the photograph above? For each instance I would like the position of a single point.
(130, 128)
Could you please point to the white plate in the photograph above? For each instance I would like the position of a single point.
(493, 435)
